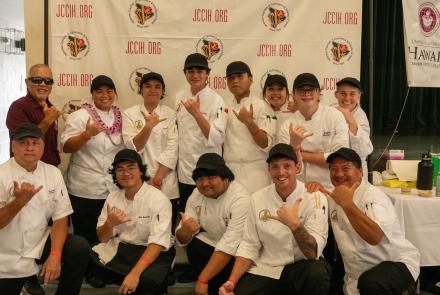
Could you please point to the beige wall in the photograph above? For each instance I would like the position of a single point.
(34, 31)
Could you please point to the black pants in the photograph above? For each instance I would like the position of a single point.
(304, 277)
(174, 212)
(333, 256)
(74, 259)
(153, 278)
(85, 217)
(386, 278)
(185, 190)
(199, 254)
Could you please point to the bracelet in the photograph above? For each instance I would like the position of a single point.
(256, 132)
(56, 253)
(201, 281)
(145, 261)
(85, 136)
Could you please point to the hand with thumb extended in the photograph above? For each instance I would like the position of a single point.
(116, 216)
(189, 224)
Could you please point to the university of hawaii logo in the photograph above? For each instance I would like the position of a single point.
(136, 77)
(267, 73)
(339, 50)
(143, 13)
(275, 16)
(211, 47)
(428, 18)
(75, 45)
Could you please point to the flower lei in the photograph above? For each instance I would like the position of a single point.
(117, 122)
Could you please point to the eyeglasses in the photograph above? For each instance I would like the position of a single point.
(39, 80)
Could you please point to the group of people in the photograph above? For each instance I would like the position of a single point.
(257, 184)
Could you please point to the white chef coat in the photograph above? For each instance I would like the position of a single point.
(281, 116)
(88, 173)
(269, 243)
(222, 219)
(357, 254)
(361, 142)
(150, 221)
(161, 146)
(242, 155)
(23, 239)
(330, 133)
(192, 142)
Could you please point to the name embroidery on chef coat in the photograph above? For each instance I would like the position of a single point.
(326, 133)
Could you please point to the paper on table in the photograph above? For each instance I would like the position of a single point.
(405, 170)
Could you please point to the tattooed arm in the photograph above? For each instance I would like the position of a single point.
(306, 242)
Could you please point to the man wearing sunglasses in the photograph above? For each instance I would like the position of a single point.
(36, 108)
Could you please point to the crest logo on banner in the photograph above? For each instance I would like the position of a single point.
(211, 47)
(275, 16)
(71, 106)
(143, 13)
(270, 72)
(76, 45)
(428, 18)
(339, 50)
(136, 77)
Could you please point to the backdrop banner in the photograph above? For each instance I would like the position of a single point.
(422, 41)
(125, 39)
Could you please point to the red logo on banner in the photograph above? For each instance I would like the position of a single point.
(211, 47)
(339, 50)
(275, 16)
(143, 13)
(135, 78)
(75, 45)
(428, 18)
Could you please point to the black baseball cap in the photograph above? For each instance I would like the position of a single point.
(102, 80)
(127, 155)
(196, 60)
(237, 67)
(306, 79)
(152, 76)
(275, 79)
(282, 150)
(350, 80)
(213, 163)
(347, 154)
(27, 130)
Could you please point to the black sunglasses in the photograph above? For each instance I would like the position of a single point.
(39, 80)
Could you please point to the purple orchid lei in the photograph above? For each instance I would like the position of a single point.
(117, 122)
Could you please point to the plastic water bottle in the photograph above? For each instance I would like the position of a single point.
(424, 176)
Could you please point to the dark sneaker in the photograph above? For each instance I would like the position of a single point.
(32, 287)
(187, 277)
(95, 282)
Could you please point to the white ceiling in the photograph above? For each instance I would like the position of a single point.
(12, 14)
